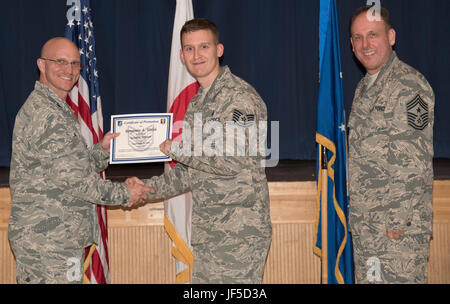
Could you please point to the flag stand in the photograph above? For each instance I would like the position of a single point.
(324, 220)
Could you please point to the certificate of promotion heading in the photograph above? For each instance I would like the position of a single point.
(140, 137)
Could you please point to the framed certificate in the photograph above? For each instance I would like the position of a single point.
(140, 137)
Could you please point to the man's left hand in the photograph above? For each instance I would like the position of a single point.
(106, 141)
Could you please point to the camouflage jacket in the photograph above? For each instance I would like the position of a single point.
(54, 177)
(391, 152)
(230, 192)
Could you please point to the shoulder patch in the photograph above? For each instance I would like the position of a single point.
(243, 120)
(417, 111)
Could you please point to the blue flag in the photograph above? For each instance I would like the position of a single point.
(331, 134)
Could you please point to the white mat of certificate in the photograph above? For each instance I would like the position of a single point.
(140, 137)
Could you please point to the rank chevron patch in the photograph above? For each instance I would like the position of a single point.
(243, 120)
(417, 113)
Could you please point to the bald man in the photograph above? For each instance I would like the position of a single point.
(54, 177)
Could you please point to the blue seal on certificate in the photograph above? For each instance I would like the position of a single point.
(140, 137)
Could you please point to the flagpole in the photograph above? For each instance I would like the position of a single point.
(324, 213)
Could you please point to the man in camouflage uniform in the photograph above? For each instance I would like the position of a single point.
(390, 159)
(231, 227)
(54, 177)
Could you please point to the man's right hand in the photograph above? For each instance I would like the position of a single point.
(394, 235)
(137, 191)
(166, 146)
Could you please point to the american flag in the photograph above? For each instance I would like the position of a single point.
(85, 101)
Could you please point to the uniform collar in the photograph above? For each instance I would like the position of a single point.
(388, 65)
(385, 70)
(52, 96)
(219, 82)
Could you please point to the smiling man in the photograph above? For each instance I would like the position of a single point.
(200, 53)
(231, 227)
(54, 73)
(54, 177)
(390, 158)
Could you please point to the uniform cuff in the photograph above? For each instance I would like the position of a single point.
(175, 150)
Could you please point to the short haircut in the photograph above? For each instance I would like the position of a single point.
(199, 24)
(385, 16)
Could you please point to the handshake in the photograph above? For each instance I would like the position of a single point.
(138, 191)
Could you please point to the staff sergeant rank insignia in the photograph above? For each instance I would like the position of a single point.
(243, 120)
(417, 113)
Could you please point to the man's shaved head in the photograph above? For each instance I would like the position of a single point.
(54, 43)
(55, 65)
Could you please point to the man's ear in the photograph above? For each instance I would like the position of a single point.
(391, 36)
(220, 50)
(41, 65)
(182, 56)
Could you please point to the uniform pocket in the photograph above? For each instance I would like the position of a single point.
(78, 223)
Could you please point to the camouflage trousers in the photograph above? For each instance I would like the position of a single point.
(381, 260)
(230, 262)
(41, 267)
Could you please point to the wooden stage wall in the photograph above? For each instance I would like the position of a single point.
(140, 248)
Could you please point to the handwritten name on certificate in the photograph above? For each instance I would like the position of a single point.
(140, 137)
